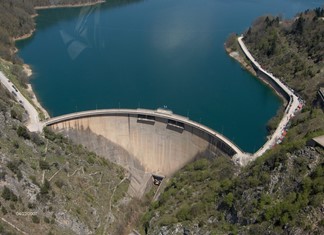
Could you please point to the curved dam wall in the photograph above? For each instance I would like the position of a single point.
(142, 141)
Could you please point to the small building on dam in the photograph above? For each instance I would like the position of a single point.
(144, 142)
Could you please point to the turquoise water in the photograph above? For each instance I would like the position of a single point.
(155, 53)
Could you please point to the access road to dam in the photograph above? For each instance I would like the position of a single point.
(34, 123)
(293, 100)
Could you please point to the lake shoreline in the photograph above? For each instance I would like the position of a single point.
(28, 35)
(27, 69)
(237, 55)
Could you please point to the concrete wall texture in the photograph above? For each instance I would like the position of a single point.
(142, 141)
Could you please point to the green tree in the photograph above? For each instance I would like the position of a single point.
(44, 165)
(45, 187)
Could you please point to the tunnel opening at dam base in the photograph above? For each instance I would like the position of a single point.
(157, 179)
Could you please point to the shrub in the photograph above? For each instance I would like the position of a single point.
(4, 210)
(3, 175)
(49, 134)
(43, 165)
(90, 160)
(13, 166)
(22, 132)
(45, 187)
(15, 114)
(31, 205)
(167, 220)
(201, 164)
(35, 219)
(19, 175)
(15, 144)
(34, 181)
(12, 206)
(7, 194)
(183, 213)
(59, 183)
(321, 223)
(228, 200)
(36, 139)
(197, 209)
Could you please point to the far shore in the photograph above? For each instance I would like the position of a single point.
(28, 35)
(69, 5)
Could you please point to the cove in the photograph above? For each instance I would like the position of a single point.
(151, 54)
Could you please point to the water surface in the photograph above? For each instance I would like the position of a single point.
(155, 53)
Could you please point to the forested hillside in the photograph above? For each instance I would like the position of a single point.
(281, 192)
(291, 49)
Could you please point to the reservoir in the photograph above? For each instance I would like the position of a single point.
(155, 53)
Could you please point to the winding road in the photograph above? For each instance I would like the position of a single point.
(292, 106)
(34, 124)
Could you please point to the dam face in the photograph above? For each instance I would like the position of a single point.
(144, 142)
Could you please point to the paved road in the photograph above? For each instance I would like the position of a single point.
(34, 124)
(292, 106)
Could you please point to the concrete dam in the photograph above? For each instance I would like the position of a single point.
(144, 142)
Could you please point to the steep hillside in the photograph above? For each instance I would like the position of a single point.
(49, 185)
(281, 192)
